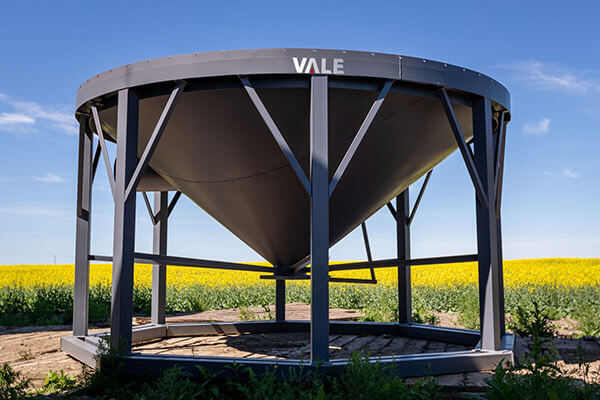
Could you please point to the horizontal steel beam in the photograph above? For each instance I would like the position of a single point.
(467, 337)
(220, 328)
(81, 350)
(143, 258)
(307, 277)
(394, 262)
(400, 365)
(193, 262)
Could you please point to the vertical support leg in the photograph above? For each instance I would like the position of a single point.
(279, 300)
(490, 260)
(124, 229)
(403, 243)
(82, 236)
(159, 271)
(500, 276)
(319, 221)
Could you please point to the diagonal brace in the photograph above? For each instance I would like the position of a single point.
(101, 141)
(149, 208)
(464, 149)
(419, 197)
(154, 139)
(285, 148)
(97, 155)
(392, 210)
(359, 136)
(173, 202)
(368, 248)
(499, 172)
(300, 265)
(171, 206)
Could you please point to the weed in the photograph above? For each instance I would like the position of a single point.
(247, 314)
(423, 317)
(539, 376)
(588, 319)
(468, 310)
(12, 384)
(25, 355)
(533, 322)
(58, 382)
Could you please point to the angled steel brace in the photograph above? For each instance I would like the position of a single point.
(464, 149)
(359, 136)
(499, 174)
(285, 148)
(392, 210)
(368, 248)
(173, 202)
(109, 173)
(154, 217)
(155, 138)
(419, 197)
(149, 208)
(498, 143)
(96, 161)
(300, 265)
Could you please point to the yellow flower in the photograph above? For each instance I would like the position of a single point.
(568, 272)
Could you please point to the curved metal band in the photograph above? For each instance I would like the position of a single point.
(292, 62)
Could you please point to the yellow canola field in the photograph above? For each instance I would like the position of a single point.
(568, 272)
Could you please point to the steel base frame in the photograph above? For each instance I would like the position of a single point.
(484, 162)
(86, 348)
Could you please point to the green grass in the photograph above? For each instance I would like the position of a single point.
(54, 305)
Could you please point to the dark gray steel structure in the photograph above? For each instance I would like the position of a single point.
(290, 149)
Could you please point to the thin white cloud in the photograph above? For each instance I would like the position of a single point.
(70, 129)
(551, 77)
(8, 119)
(542, 127)
(28, 112)
(32, 210)
(564, 173)
(50, 178)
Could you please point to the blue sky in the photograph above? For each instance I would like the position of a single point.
(544, 52)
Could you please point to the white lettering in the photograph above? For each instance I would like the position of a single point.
(338, 66)
(299, 65)
(324, 69)
(312, 67)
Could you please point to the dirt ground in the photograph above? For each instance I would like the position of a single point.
(35, 350)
